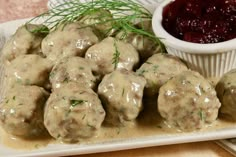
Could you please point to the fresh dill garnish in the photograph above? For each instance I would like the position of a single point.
(116, 55)
(124, 15)
(74, 102)
(41, 30)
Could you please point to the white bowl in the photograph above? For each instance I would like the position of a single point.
(211, 60)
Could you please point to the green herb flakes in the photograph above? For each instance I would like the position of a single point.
(116, 55)
(74, 102)
(201, 115)
(81, 68)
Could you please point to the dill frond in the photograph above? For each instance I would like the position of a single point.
(122, 16)
(116, 55)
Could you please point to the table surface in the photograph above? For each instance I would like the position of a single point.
(16, 9)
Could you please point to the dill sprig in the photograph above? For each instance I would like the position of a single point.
(116, 55)
(125, 13)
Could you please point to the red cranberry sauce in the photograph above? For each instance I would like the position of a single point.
(201, 21)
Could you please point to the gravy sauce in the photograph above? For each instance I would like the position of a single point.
(149, 123)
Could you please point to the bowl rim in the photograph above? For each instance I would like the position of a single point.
(188, 47)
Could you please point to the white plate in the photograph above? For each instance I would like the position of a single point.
(6, 29)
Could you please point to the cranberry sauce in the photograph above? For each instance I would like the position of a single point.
(201, 21)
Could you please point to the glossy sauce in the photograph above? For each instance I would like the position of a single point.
(149, 123)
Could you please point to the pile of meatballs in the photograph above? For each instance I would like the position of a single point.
(65, 83)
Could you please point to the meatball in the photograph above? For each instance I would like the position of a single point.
(29, 70)
(74, 69)
(188, 101)
(101, 22)
(21, 111)
(121, 93)
(158, 69)
(226, 91)
(68, 40)
(112, 54)
(144, 45)
(73, 113)
(23, 42)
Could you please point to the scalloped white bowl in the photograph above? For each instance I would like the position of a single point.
(211, 60)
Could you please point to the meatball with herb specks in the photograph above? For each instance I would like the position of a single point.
(111, 54)
(21, 111)
(143, 44)
(158, 69)
(74, 69)
(73, 113)
(29, 70)
(121, 93)
(23, 42)
(188, 102)
(68, 40)
(226, 91)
